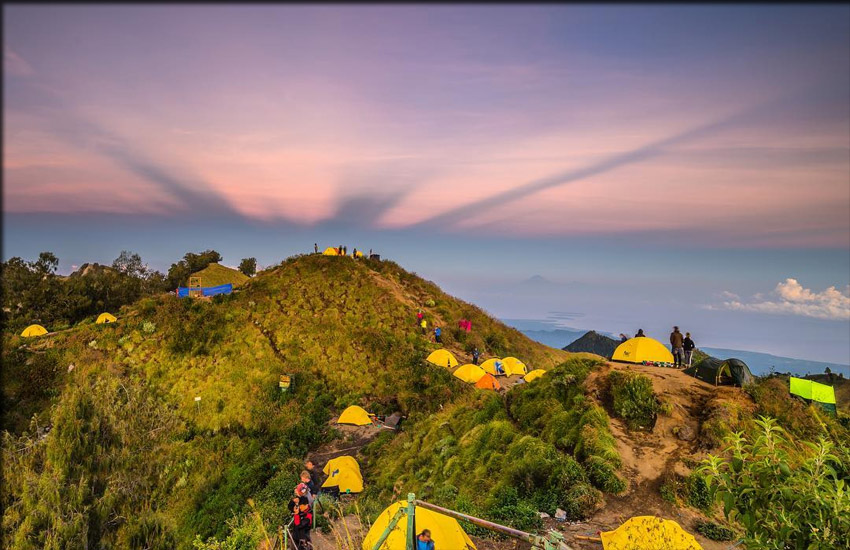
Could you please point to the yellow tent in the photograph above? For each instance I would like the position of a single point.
(330, 251)
(354, 415)
(649, 532)
(442, 358)
(470, 373)
(343, 472)
(512, 366)
(105, 318)
(445, 531)
(489, 367)
(34, 330)
(534, 375)
(638, 350)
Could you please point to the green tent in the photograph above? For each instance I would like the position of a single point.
(721, 371)
(812, 391)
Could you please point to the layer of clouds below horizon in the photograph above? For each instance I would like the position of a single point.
(739, 139)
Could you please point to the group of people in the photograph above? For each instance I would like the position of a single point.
(301, 506)
(342, 250)
(682, 346)
(423, 326)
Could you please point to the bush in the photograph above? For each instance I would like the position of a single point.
(603, 475)
(714, 531)
(632, 399)
(783, 493)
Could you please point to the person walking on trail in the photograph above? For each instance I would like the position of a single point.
(640, 333)
(475, 355)
(315, 480)
(419, 317)
(302, 518)
(677, 342)
(438, 335)
(316, 248)
(423, 324)
(689, 347)
(312, 491)
(423, 540)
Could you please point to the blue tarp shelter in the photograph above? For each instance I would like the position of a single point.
(183, 291)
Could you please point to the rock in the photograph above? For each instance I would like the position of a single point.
(71, 367)
(543, 515)
(560, 515)
(685, 433)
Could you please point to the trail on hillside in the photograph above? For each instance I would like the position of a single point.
(648, 456)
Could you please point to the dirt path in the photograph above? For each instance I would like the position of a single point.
(648, 456)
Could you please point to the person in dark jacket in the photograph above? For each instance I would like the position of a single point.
(475, 355)
(689, 347)
(677, 342)
(640, 333)
(316, 248)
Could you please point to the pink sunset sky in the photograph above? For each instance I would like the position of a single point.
(427, 115)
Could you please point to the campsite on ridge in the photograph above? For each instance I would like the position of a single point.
(416, 277)
(581, 440)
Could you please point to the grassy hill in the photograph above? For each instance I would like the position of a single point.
(120, 454)
(154, 432)
(217, 274)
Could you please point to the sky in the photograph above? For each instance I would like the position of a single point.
(611, 167)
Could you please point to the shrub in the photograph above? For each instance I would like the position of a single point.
(783, 493)
(632, 399)
(714, 531)
(148, 327)
(603, 475)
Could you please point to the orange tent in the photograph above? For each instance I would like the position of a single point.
(488, 382)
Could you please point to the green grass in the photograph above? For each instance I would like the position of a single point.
(344, 330)
(217, 274)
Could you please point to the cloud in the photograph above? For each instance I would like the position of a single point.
(14, 64)
(791, 298)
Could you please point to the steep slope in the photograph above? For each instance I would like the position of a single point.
(593, 342)
(162, 425)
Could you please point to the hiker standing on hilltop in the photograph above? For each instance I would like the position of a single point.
(339, 251)
(677, 341)
(640, 333)
(475, 355)
(689, 347)
(438, 335)
(354, 254)
(345, 250)
(316, 248)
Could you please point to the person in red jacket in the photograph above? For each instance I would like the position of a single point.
(302, 518)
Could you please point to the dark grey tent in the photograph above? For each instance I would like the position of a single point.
(721, 371)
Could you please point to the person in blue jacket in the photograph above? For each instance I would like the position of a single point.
(438, 335)
(423, 540)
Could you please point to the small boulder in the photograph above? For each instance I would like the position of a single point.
(685, 433)
(560, 515)
(543, 515)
